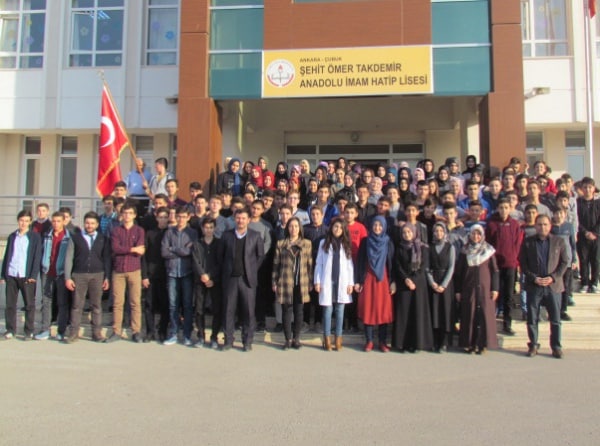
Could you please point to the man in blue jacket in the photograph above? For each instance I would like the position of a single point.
(54, 250)
(20, 267)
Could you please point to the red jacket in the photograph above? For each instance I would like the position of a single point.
(506, 237)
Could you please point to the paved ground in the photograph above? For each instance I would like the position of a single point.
(150, 394)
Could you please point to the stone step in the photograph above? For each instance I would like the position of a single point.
(582, 333)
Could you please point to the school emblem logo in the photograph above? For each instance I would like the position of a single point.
(280, 73)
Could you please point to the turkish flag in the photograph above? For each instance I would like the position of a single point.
(113, 139)
(592, 6)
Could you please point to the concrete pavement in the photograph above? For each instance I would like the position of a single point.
(150, 394)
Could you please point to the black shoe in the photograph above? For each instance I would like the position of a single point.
(278, 328)
(136, 338)
(114, 338)
(260, 327)
(296, 344)
(508, 331)
(226, 347)
(28, 337)
(532, 351)
(71, 339)
(557, 353)
(100, 340)
(565, 317)
(286, 345)
(247, 347)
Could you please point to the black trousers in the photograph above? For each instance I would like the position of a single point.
(589, 260)
(295, 309)
(202, 295)
(507, 289)
(156, 300)
(568, 292)
(218, 311)
(13, 286)
(236, 292)
(535, 299)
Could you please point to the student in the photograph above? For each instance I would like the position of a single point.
(562, 228)
(54, 251)
(176, 248)
(154, 281)
(87, 273)
(292, 279)
(588, 210)
(357, 232)
(412, 319)
(374, 283)
(442, 258)
(334, 279)
(172, 188)
(315, 232)
(207, 255)
(20, 269)
(127, 247)
(505, 235)
(42, 224)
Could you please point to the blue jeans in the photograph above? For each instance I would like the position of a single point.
(180, 294)
(339, 319)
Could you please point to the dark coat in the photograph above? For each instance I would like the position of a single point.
(558, 262)
(207, 259)
(283, 271)
(254, 254)
(477, 308)
(34, 255)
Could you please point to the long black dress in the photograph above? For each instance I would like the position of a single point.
(442, 305)
(412, 319)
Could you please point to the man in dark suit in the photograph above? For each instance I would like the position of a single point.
(243, 252)
(544, 260)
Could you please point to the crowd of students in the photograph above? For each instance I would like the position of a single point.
(434, 252)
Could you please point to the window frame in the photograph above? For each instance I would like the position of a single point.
(149, 51)
(19, 54)
(94, 52)
(528, 38)
(66, 156)
(26, 158)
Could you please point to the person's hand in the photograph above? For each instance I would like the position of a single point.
(204, 278)
(105, 285)
(358, 287)
(70, 285)
(318, 287)
(209, 284)
(393, 288)
(494, 295)
(274, 288)
(457, 296)
(138, 250)
(30, 280)
(410, 284)
(349, 289)
(145, 283)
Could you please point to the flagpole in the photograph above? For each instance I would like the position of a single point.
(588, 87)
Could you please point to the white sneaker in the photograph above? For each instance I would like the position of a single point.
(170, 341)
(43, 336)
(187, 342)
(8, 335)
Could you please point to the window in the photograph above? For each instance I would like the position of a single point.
(534, 150)
(68, 166)
(576, 151)
(144, 149)
(22, 26)
(33, 152)
(544, 28)
(96, 33)
(162, 32)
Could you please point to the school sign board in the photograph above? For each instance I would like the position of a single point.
(365, 71)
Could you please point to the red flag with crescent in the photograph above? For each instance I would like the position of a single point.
(113, 139)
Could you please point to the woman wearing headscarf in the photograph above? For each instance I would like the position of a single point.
(406, 196)
(256, 177)
(268, 180)
(391, 178)
(442, 178)
(476, 286)
(442, 257)
(349, 190)
(471, 166)
(418, 175)
(247, 171)
(412, 318)
(373, 282)
(281, 172)
(231, 180)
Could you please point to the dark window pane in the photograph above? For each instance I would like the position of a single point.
(340, 150)
(33, 146)
(301, 150)
(32, 175)
(68, 170)
(108, 60)
(110, 31)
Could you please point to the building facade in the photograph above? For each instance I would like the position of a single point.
(191, 81)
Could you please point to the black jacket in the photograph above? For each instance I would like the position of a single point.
(34, 255)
